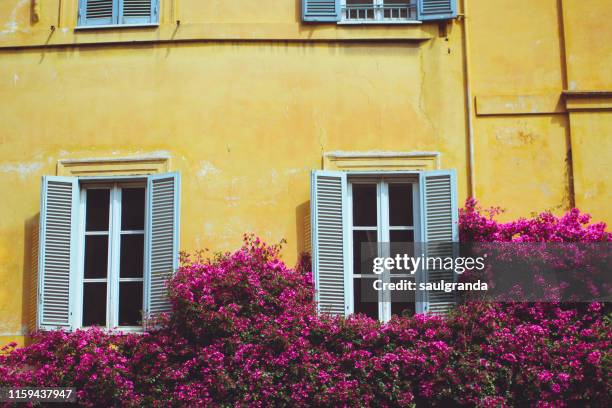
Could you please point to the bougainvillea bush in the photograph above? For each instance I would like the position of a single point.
(244, 332)
(545, 258)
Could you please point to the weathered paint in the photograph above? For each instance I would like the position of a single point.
(591, 133)
(245, 100)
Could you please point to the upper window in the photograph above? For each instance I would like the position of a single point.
(117, 12)
(378, 10)
(107, 247)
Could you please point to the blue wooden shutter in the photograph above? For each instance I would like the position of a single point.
(97, 12)
(162, 239)
(139, 11)
(440, 231)
(436, 9)
(33, 228)
(320, 10)
(328, 212)
(56, 263)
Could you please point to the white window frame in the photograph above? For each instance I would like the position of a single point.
(114, 252)
(379, 15)
(383, 229)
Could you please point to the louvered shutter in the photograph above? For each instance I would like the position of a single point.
(139, 11)
(58, 224)
(162, 239)
(439, 220)
(33, 228)
(436, 9)
(320, 10)
(97, 12)
(328, 212)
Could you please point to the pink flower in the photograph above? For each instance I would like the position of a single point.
(594, 357)
(544, 376)
(511, 358)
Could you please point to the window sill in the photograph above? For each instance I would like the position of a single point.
(121, 330)
(115, 26)
(374, 22)
(128, 330)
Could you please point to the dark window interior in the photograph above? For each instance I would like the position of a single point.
(365, 297)
(94, 304)
(132, 256)
(400, 205)
(364, 205)
(97, 210)
(130, 303)
(96, 256)
(132, 208)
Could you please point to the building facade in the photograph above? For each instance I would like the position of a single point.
(213, 115)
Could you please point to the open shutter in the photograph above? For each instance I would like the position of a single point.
(162, 239)
(33, 232)
(436, 9)
(320, 10)
(139, 11)
(328, 206)
(58, 223)
(440, 229)
(97, 12)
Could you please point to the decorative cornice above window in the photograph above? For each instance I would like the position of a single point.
(113, 166)
(381, 160)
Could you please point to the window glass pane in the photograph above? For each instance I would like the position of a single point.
(96, 256)
(400, 205)
(360, 9)
(396, 8)
(94, 304)
(401, 244)
(132, 208)
(364, 205)
(365, 297)
(364, 250)
(402, 301)
(97, 210)
(132, 255)
(401, 236)
(130, 303)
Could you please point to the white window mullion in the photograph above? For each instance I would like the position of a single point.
(379, 14)
(348, 237)
(115, 254)
(384, 240)
(117, 11)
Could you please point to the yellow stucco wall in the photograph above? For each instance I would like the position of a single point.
(591, 146)
(520, 153)
(587, 32)
(246, 100)
(589, 58)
